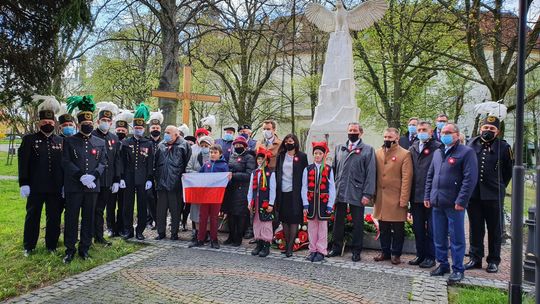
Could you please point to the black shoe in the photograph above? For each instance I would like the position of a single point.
(84, 255)
(127, 236)
(288, 254)
(416, 261)
(439, 271)
(333, 253)
(195, 243)
(228, 241)
(214, 244)
(139, 236)
(258, 248)
(237, 244)
(159, 237)
(455, 277)
(473, 264)
(310, 256)
(174, 237)
(318, 257)
(356, 257)
(68, 258)
(492, 268)
(28, 252)
(427, 263)
(102, 241)
(265, 250)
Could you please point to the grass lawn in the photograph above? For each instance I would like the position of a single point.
(18, 274)
(480, 295)
(8, 170)
(530, 199)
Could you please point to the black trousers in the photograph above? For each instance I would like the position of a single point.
(357, 213)
(115, 217)
(423, 231)
(79, 203)
(152, 199)
(184, 214)
(53, 212)
(237, 227)
(168, 201)
(129, 205)
(392, 237)
(481, 214)
(105, 198)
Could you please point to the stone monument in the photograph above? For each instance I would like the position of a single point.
(337, 103)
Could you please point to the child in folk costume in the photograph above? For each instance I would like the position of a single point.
(261, 196)
(318, 195)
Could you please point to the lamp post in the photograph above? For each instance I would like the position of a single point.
(516, 275)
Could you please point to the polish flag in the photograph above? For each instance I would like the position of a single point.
(204, 188)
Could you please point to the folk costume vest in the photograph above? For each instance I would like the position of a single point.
(318, 195)
(261, 193)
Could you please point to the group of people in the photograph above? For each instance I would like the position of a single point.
(428, 171)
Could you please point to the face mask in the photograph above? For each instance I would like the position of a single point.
(423, 136)
(68, 131)
(104, 126)
(240, 150)
(412, 129)
(441, 125)
(488, 135)
(121, 136)
(155, 133)
(353, 137)
(47, 128)
(289, 147)
(167, 137)
(138, 132)
(228, 137)
(244, 135)
(87, 129)
(205, 150)
(447, 139)
(388, 143)
(268, 134)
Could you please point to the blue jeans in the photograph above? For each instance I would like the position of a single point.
(448, 221)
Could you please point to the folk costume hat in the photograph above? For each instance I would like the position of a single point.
(85, 105)
(322, 146)
(63, 116)
(184, 129)
(142, 113)
(123, 119)
(267, 154)
(202, 131)
(106, 109)
(492, 120)
(48, 106)
(208, 122)
(156, 118)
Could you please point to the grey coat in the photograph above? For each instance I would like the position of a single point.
(355, 173)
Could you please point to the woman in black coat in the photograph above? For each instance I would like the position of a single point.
(290, 164)
(241, 164)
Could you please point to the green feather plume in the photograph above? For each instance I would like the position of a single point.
(142, 111)
(83, 103)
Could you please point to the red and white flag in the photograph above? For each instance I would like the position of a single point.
(205, 188)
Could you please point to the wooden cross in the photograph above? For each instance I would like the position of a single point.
(186, 96)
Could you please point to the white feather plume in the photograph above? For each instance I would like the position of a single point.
(156, 115)
(491, 108)
(124, 115)
(48, 103)
(107, 106)
(184, 129)
(210, 120)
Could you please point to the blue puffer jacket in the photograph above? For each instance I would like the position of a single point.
(219, 165)
(452, 177)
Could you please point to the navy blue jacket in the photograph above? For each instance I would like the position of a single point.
(452, 177)
(226, 146)
(219, 165)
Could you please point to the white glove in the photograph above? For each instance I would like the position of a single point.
(25, 191)
(91, 185)
(87, 179)
(148, 185)
(114, 187)
(122, 184)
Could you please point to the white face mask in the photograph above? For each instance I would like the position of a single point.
(104, 126)
(268, 134)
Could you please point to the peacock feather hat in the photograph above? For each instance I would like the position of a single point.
(85, 104)
(142, 113)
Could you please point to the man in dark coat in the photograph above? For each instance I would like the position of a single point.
(241, 164)
(355, 171)
(171, 160)
(245, 131)
(422, 152)
(109, 181)
(226, 142)
(406, 140)
(450, 183)
(41, 177)
(440, 122)
(485, 208)
(84, 159)
(154, 127)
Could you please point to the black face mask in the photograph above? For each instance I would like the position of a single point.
(155, 133)
(289, 147)
(47, 128)
(239, 150)
(120, 135)
(388, 143)
(87, 129)
(353, 137)
(488, 135)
